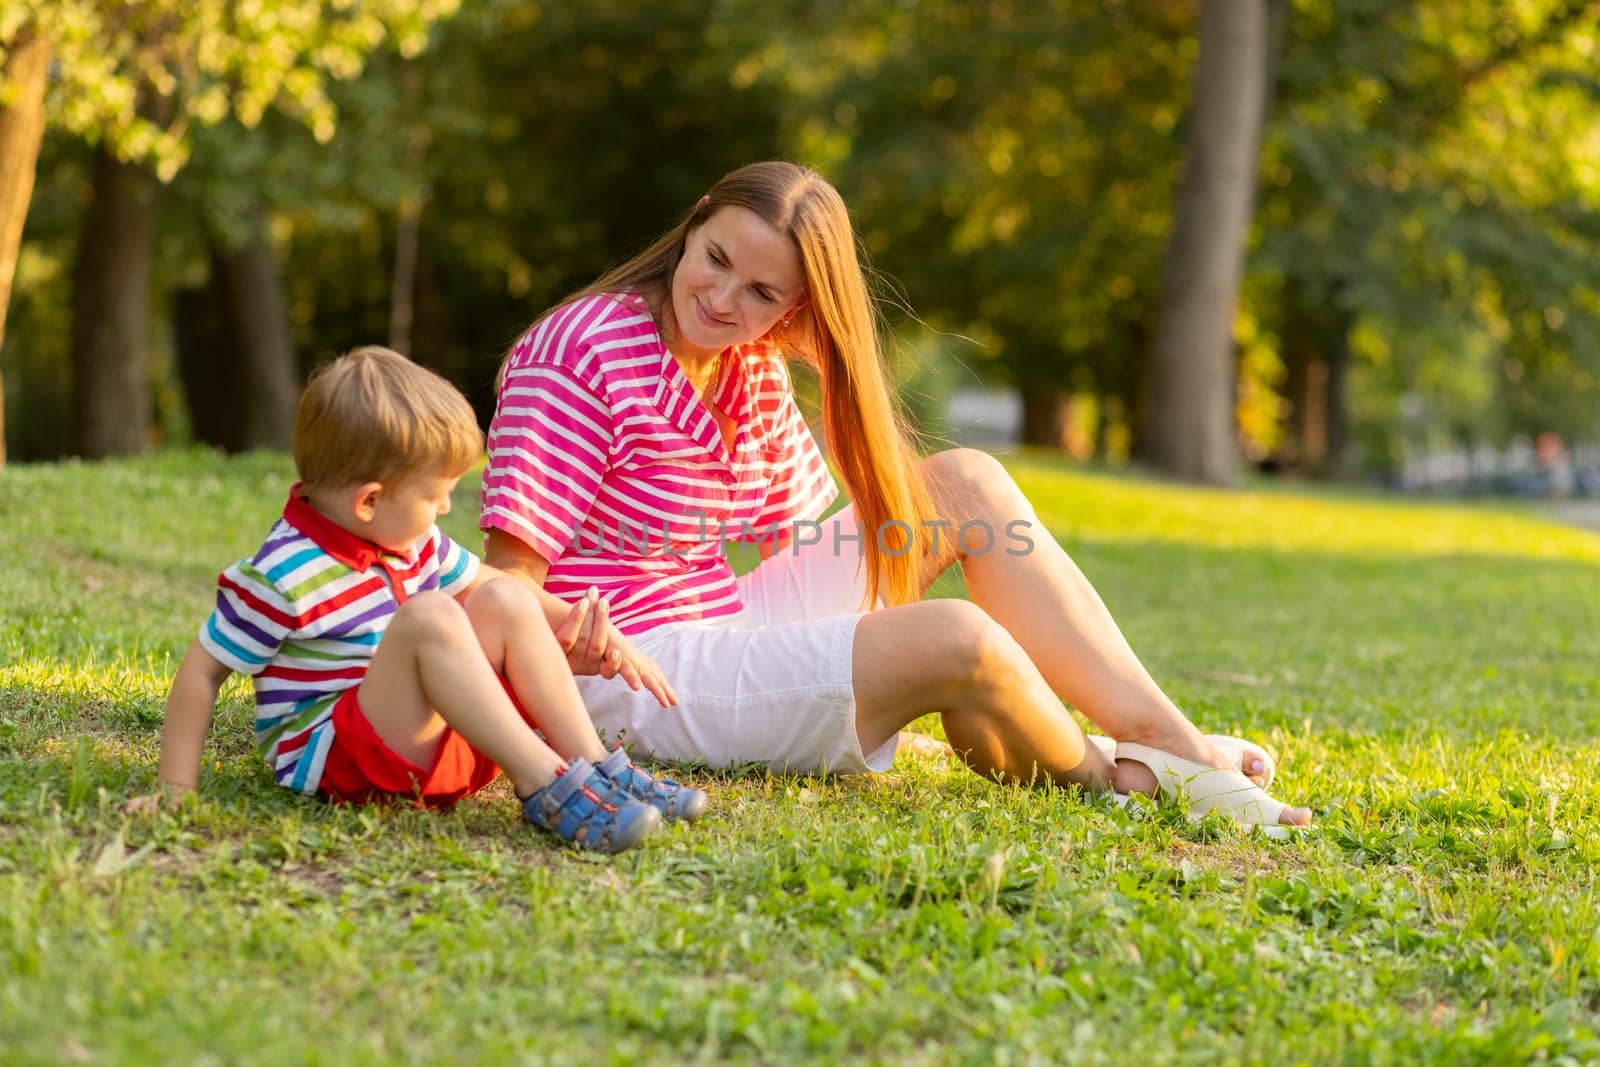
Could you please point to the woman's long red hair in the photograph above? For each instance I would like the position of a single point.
(837, 332)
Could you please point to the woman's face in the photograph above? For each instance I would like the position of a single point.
(737, 278)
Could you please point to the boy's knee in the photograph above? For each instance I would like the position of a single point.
(434, 612)
(503, 599)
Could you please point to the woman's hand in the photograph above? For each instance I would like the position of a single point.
(594, 646)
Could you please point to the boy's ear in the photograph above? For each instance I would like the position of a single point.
(364, 500)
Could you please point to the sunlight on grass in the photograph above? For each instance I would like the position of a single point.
(1428, 677)
(1103, 508)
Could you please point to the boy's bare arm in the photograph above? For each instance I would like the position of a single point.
(189, 707)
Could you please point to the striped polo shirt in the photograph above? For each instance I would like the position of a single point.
(603, 460)
(303, 617)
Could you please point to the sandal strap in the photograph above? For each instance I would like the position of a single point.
(1233, 747)
(1205, 789)
(673, 799)
(581, 801)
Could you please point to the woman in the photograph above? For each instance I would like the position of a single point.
(648, 418)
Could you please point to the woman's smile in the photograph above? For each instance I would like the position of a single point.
(712, 321)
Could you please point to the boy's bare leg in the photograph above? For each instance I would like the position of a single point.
(515, 634)
(428, 673)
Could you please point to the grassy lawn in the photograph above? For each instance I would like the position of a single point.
(1429, 677)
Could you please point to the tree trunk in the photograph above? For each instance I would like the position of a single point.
(26, 68)
(1336, 420)
(200, 333)
(259, 361)
(408, 229)
(1192, 427)
(403, 282)
(1124, 392)
(1316, 353)
(236, 350)
(1291, 453)
(110, 308)
(1300, 349)
(431, 328)
(1044, 417)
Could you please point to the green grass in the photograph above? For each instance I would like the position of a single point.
(1428, 675)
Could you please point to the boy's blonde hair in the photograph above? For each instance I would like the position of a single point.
(372, 415)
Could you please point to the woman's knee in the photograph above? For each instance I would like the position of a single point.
(971, 486)
(974, 652)
(965, 468)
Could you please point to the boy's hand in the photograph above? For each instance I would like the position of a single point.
(166, 796)
(594, 646)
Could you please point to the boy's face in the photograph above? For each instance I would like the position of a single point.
(401, 513)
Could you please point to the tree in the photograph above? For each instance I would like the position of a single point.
(235, 349)
(110, 294)
(1427, 216)
(1011, 165)
(559, 138)
(23, 70)
(263, 385)
(1190, 430)
(136, 77)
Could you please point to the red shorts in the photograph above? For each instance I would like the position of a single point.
(361, 767)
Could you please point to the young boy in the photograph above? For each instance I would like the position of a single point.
(378, 646)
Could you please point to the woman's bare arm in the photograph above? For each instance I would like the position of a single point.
(593, 645)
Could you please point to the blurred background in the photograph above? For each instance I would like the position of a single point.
(1350, 240)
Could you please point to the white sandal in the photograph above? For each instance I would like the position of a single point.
(1235, 748)
(1206, 789)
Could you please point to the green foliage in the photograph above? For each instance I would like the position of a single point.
(1428, 181)
(558, 139)
(1012, 166)
(1444, 911)
(1427, 198)
(204, 60)
(150, 79)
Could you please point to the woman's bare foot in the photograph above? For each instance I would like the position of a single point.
(1133, 777)
(924, 745)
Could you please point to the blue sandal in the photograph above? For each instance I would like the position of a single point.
(584, 807)
(672, 799)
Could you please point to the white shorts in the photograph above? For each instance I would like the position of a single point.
(770, 685)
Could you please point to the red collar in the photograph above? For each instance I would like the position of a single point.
(354, 552)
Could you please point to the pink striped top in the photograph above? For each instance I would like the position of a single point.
(603, 460)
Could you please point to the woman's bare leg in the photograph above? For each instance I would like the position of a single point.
(1044, 601)
(950, 657)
